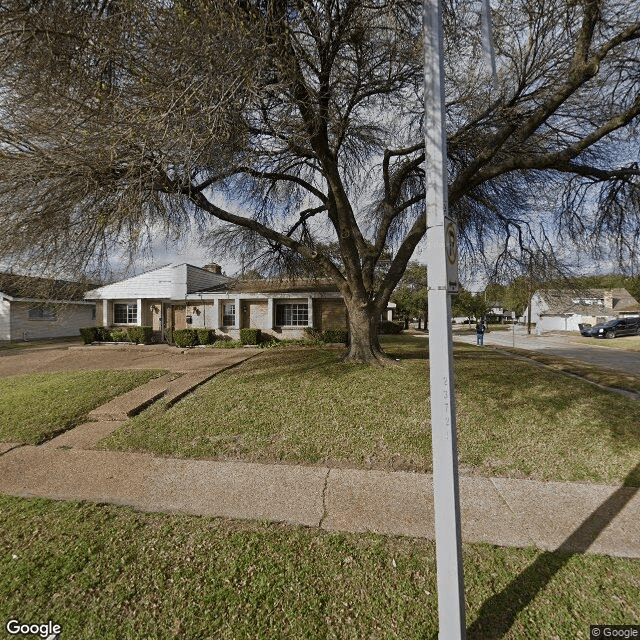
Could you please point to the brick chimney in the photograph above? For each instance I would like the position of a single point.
(213, 267)
(608, 299)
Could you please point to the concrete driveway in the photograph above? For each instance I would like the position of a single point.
(104, 357)
(561, 345)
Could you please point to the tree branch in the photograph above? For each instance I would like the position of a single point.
(304, 216)
(274, 175)
(266, 232)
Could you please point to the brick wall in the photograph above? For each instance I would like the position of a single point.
(331, 313)
(257, 313)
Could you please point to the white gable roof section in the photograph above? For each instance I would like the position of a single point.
(171, 282)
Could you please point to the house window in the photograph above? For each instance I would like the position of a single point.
(228, 314)
(42, 313)
(292, 315)
(125, 313)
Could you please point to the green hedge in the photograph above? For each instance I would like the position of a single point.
(206, 336)
(335, 335)
(250, 336)
(119, 335)
(312, 334)
(389, 327)
(185, 337)
(227, 344)
(138, 335)
(89, 334)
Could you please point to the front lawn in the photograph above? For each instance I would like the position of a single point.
(108, 572)
(37, 406)
(302, 405)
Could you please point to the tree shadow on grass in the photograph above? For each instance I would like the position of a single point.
(499, 612)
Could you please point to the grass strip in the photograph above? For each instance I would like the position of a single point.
(599, 375)
(109, 572)
(627, 343)
(303, 405)
(38, 406)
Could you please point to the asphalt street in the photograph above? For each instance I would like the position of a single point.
(561, 345)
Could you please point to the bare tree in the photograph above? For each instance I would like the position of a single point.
(308, 115)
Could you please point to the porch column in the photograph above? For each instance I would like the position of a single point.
(310, 305)
(105, 313)
(139, 311)
(236, 302)
(270, 312)
(215, 323)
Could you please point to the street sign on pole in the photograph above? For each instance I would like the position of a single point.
(442, 258)
(451, 251)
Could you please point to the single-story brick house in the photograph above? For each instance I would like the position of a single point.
(179, 296)
(35, 308)
(564, 310)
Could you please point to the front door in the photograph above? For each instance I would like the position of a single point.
(179, 317)
(245, 317)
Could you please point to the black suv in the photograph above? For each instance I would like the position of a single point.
(614, 328)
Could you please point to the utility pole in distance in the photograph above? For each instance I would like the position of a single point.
(442, 280)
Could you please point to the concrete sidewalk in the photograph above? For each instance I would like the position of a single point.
(547, 515)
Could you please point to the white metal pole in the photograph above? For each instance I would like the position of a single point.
(441, 254)
(487, 42)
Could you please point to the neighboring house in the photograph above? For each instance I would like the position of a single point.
(391, 313)
(34, 308)
(564, 310)
(180, 296)
(497, 313)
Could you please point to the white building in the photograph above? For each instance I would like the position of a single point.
(564, 310)
(37, 308)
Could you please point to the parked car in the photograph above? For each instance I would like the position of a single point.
(585, 329)
(614, 328)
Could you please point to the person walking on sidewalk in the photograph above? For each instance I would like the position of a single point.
(480, 329)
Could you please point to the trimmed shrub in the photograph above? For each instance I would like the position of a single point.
(102, 334)
(250, 336)
(227, 344)
(206, 336)
(298, 342)
(389, 327)
(185, 337)
(119, 335)
(139, 335)
(89, 334)
(335, 335)
(312, 334)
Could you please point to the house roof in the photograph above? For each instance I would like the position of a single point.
(590, 302)
(626, 306)
(21, 287)
(300, 285)
(172, 281)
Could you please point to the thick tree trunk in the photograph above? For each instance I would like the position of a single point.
(363, 333)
